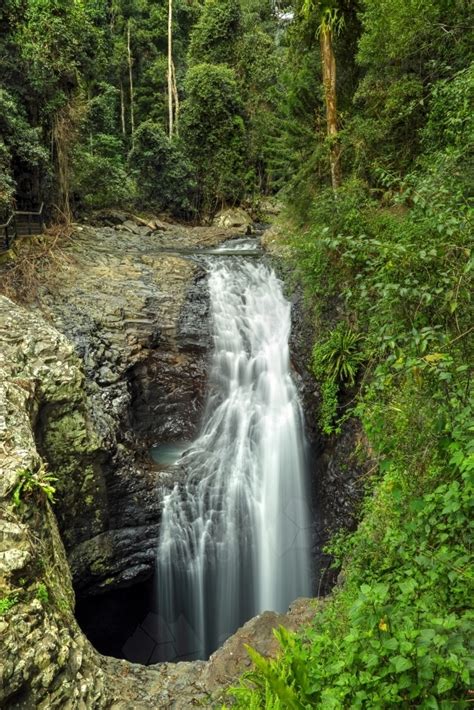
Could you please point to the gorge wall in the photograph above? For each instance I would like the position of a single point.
(109, 358)
(137, 320)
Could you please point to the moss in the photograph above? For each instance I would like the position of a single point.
(67, 431)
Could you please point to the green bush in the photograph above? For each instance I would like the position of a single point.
(215, 34)
(400, 631)
(100, 176)
(20, 149)
(212, 128)
(7, 185)
(6, 603)
(163, 174)
(335, 363)
(31, 484)
(338, 357)
(42, 593)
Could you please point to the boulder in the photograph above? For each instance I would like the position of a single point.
(234, 218)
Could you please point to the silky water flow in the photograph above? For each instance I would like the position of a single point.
(235, 538)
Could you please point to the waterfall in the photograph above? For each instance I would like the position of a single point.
(235, 537)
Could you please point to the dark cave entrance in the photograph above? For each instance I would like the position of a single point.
(124, 623)
(111, 620)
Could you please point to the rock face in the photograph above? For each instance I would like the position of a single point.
(38, 368)
(137, 317)
(46, 661)
(79, 408)
(110, 358)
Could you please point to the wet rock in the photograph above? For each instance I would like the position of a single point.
(79, 373)
(137, 318)
(110, 217)
(270, 207)
(46, 660)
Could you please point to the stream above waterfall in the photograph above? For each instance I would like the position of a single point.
(235, 536)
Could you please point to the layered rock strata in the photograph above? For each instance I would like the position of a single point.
(136, 316)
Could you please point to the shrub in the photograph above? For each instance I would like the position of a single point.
(163, 174)
(34, 483)
(213, 130)
(100, 177)
(215, 34)
(6, 603)
(335, 363)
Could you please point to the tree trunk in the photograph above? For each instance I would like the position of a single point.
(122, 109)
(64, 135)
(175, 98)
(130, 76)
(328, 61)
(170, 68)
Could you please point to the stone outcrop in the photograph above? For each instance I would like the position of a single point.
(135, 312)
(42, 644)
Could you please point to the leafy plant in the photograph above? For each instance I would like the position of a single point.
(339, 357)
(6, 603)
(42, 593)
(33, 483)
(162, 171)
(335, 363)
(213, 131)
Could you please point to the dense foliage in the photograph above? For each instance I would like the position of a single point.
(84, 98)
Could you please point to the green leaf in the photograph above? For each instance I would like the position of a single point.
(444, 684)
(401, 664)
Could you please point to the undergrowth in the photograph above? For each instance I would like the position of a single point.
(398, 632)
(32, 261)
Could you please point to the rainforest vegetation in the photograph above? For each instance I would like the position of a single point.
(358, 115)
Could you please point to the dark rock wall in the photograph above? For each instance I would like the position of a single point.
(137, 318)
(168, 386)
(337, 463)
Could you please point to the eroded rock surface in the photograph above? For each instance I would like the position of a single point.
(46, 660)
(61, 414)
(136, 315)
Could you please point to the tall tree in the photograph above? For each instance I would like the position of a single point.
(173, 99)
(130, 79)
(329, 21)
(170, 67)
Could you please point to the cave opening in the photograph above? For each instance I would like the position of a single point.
(125, 623)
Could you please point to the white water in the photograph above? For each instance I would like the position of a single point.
(235, 538)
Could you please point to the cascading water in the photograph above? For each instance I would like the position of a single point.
(235, 538)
